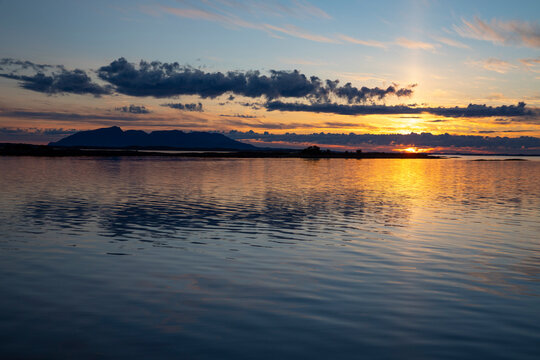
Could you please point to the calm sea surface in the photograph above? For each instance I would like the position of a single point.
(161, 258)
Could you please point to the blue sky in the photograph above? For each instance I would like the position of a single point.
(456, 52)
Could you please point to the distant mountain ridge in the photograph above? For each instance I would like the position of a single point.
(115, 137)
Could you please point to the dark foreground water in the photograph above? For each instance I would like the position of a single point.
(269, 258)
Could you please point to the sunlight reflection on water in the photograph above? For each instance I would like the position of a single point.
(269, 258)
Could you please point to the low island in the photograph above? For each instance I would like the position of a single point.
(313, 152)
(113, 141)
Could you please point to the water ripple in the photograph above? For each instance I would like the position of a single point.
(281, 258)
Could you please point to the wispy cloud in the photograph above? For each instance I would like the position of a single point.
(496, 96)
(302, 62)
(233, 20)
(500, 32)
(412, 44)
(199, 14)
(363, 76)
(296, 8)
(33, 135)
(493, 64)
(361, 42)
(485, 78)
(187, 120)
(305, 8)
(227, 13)
(299, 33)
(267, 125)
(37, 131)
(451, 42)
(63, 116)
(531, 64)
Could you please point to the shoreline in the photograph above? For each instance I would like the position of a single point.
(9, 149)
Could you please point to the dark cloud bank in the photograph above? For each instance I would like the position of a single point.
(471, 110)
(52, 79)
(161, 80)
(521, 144)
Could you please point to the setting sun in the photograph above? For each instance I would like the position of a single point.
(414, 149)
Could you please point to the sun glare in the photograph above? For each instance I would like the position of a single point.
(413, 150)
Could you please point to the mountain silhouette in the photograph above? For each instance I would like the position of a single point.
(115, 137)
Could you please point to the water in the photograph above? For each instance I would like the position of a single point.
(160, 258)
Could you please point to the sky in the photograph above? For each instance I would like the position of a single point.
(465, 74)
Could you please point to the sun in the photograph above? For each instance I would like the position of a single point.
(414, 150)
(411, 150)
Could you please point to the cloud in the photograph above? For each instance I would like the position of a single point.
(36, 131)
(186, 107)
(299, 33)
(302, 62)
(74, 82)
(504, 131)
(33, 135)
(303, 7)
(134, 109)
(496, 96)
(520, 33)
(241, 116)
(252, 105)
(264, 125)
(58, 81)
(493, 64)
(188, 121)
(499, 144)
(61, 116)
(451, 42)
(530, 64)
(355, 95)
(199, 14)
(161, 80)
(363, 76)
(230, 19)
(296, 8)
(417, 45)
(361, 42)
(471, 111)
(24, 64)
(293, 125)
